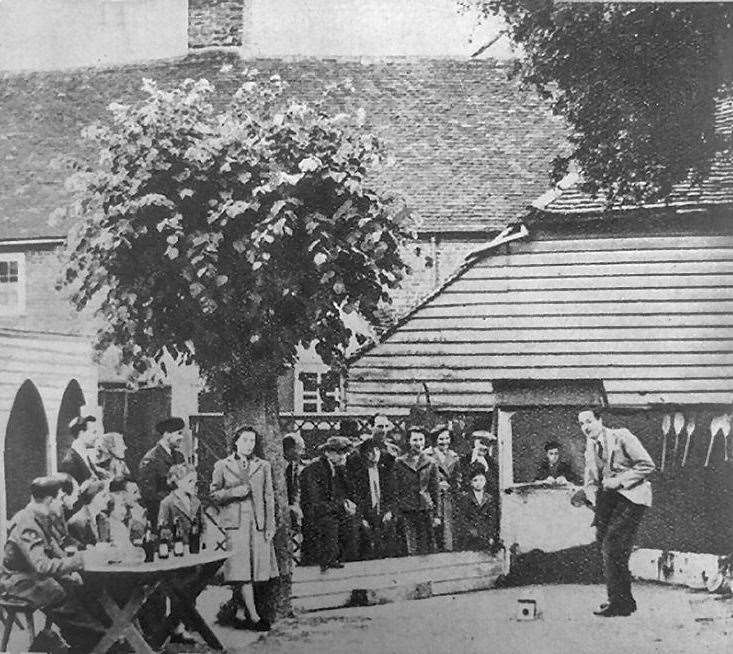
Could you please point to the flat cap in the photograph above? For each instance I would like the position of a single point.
(486, 436)
(170, 425)
(336, 444)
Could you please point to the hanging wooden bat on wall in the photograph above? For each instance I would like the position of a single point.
(666, 424)
(689, 429)
(679, 424)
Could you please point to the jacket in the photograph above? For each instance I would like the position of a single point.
(624, 459)
(477, 522)
(174, 510)
(416, 483)
(73, 464)
(30, 549)
(81, 528)
(361, 492)
(322, 494)
(231, 483)
(153, 477)
(449, 469)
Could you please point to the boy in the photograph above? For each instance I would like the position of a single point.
(552, 469)
(477, 514)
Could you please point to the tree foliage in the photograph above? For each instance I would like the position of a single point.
(230, 236)
(636, 82)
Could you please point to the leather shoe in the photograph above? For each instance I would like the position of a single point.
(182, 639)
(262, 625)
(611, 611)
(337, 564)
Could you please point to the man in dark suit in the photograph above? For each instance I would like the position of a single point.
(154, 466)
(327, 509)
(293, 449)
(373, 493)
(78, 460)
(554, 470)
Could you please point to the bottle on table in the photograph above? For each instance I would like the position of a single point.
(194, 536)
(177, 538)
(149, 545)
(164, 543)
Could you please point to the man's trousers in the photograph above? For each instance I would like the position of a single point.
(617, 521)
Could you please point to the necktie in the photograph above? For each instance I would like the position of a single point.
(375, 494)
(601, 462)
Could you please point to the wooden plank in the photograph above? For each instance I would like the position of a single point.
(599, 307)
(635, 243)
(687, 397)
(482, 387)
(443, 401)
(662, 334)
(669, 256)
(327, 586)
(580, 359)
(583, 297)
(438, 372)
(487, 284)
(306, 604)
(437, 348)
(533, 322)
(637, 267)
(355, 569)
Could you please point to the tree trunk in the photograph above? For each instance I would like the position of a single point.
(259, 409)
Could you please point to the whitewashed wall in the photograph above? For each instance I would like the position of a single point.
(59, 34)
(50, 362)
(359, 28)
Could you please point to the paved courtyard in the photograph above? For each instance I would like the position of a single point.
(484, 622)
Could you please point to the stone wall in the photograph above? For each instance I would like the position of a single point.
(215, 23)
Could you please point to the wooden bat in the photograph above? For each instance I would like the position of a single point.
(678, 424)
(666, 424)
(714, 429)
(725, 428)
(689, 428)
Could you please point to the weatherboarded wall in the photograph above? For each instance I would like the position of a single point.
(650, 316)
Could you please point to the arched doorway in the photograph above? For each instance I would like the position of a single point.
(25, 446)
(71, 403)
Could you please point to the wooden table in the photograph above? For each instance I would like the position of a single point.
(133, 584)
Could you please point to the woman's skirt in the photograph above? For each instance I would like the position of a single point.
(253, 558)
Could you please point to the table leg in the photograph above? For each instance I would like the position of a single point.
(123, 619)
(185, 608)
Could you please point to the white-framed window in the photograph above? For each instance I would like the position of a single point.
(317, 389)
(12, 283)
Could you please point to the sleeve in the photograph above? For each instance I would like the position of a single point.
(641, 464)
(220, 493)
(590, 474)
(541, 472)
(269, 497)
(32, 545)
(433, 487)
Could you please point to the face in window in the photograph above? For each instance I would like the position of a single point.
(553, 455)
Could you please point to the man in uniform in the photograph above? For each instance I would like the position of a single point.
(154, 466)
(616, 471)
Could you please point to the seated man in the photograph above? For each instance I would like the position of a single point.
(90, 524)
(34, 568)
(552, 469)
(61, 510)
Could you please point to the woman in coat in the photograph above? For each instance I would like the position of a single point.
(449, 480)
(241, 487)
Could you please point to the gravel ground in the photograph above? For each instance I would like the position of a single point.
(485, 622)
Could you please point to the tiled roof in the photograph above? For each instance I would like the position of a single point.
(470, 145)
(717, 188)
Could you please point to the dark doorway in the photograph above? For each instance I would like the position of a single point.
(71, 403)
(25, 446)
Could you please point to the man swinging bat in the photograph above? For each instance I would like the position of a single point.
(616, 471)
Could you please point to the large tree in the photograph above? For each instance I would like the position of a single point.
(636, 82)
(229, 238)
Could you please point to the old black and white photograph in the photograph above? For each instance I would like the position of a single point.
(366, 327)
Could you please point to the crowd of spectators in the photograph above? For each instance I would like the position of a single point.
(389, 493)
